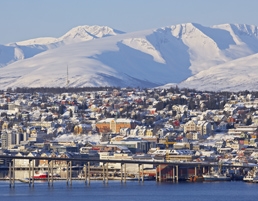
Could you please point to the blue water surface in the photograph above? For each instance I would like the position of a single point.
(131, 190)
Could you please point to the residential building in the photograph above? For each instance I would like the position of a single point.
(114, 125)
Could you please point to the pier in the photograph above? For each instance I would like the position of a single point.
(164, 170)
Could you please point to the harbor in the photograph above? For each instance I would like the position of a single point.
(163, 171)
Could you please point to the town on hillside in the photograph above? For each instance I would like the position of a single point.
(130, 123)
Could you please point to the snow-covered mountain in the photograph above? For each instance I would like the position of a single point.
(237, 75)
(146, 58)
(26, 49)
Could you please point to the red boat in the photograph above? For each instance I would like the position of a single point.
(40, 175)
(151, 172)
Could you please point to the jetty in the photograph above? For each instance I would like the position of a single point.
(164, 171)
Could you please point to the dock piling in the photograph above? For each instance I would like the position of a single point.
(142, 172)
(124, 173)
(85, 173)
(67, 172)
(32, 173)
(10, 175)
(103, 171)
(13, 180)
(139, 172)
(89, 172)
(174, 173)
(48, 171)
(160, 176)
(177, 173)
(29, 173)
(70, 173)
(106, 172)
(121, 170)
(52, 173)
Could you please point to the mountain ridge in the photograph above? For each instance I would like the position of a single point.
(83, 33)
(148, 58)
(29, 48)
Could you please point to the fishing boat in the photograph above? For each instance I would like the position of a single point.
(216, 176)
(195, 178)
(40, 175)
(255, 179)
(251, 176)
(149, 172)
(55, 175)
(26, 180)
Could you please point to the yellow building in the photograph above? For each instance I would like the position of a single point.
(114, 125)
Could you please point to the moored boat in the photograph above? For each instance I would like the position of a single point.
(195, 178)
(149, 172)
(40, 175)
(248, 178)
(251, 176)
(26, 180)
(255, 179)
(215, 176)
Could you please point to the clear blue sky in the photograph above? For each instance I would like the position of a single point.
(27, 19)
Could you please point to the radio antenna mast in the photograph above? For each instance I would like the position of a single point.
(67, 80)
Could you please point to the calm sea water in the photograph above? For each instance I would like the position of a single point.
(132, 190)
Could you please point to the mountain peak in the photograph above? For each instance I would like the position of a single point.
(76, 34)
(86, 32)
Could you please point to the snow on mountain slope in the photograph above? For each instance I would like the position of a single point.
(242, 33)
(210, 46)
(14, 52)
(29, 48)
(76, 34)
(112, 61)
(38, 41)
(145, 46)
(146, 58)
(238, 75)
(86, 33)
(203, 50)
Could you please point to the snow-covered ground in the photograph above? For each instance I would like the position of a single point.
(81, 139)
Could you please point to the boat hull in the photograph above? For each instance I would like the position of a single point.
(195, 179)
(41, 175)
(216, 178)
